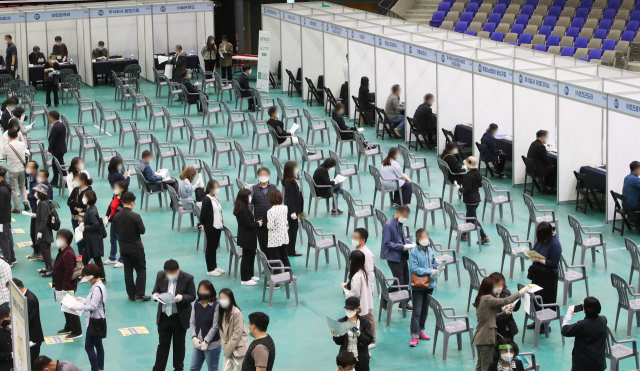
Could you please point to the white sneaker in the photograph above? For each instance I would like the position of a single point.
(219, 270)
(109, 261)
(119, 265)
(214, 273)
(371, 346)
(254, 278)
(249, 283)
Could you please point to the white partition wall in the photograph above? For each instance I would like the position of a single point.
(291, 43)
(313, 49)
(362, 60)
(271, 23)
(390, 67)
(420, 76)
(335, 54)
(14, 25)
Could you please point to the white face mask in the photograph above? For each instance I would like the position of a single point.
(296, 172)
(58, 42)
(263, 179)
(249, 199)
(211, 42)
(172, 277)
(350, 313)
(424, 242)
(216, 191)
(61, 243)
(86, 279)
(455, 151)
(506, 357)
(120, 168)
(84, 201)
(100, 47)
(402, 219)
(80, 167)
(497, 290)
(224, 303)
(75, 184)
(355, 243)
(28, 171)
(40, 180)
(116, 191)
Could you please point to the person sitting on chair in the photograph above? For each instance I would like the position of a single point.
(493, 154)
(278, 126)
(425, 119)
(194, 94)
(151, 177)
(449, 155)
(538, 154)
(338, 117)
(37, 58)
(395, 110)
(100, 53)
(631, 187)
(243, 81)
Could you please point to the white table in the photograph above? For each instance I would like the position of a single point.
(245, 58)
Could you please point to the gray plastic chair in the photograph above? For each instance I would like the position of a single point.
(70, 134)
(542, 317)
(284, 278)
(307, 158)
(288, 112)
(241, 184)
(220, 146)
(173, 122)
(261, 106)
(632, 306)
(232, 121)
(346, 253)
(238, 93)
(365, 212)
(512, 252)
(377, 178)
(146, 192)
(444, 168)
(105, 154)
(632, 248)
(104, 118)
(424, 204)
(235, 252)
(319, 245)
(288, 144)
(569, 276)
(350, 169)
(460, 229)
(155, 112)
(497, 200)
(459, 326)
(320, 127)
(258, 131)
(339, 141)
(313, 196)
(254, 160)
(401, 296)
(363, 151)
(586, 244)
(174, 90)
(87, 142)
(616, 352)
(210, 107)
(163, 150)
(140, 138)
(547, 216)
(222, 88)
(475, 274)
(178, 209)
(224, 181)
(446, 260)
(88, 107)
(414, 163)
(160, 82)
(195, 134)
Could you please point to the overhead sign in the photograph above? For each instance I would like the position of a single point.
(390, 44)
(495, 72)
(19, 329)
(264, 61)
(57, 15)
(456, 62)
(12, 18)
(117, 12)
(312, 23)
(270, 12)
(535, 82)
(293, 18)
(584, 95)
(624, 106)
(336, 30)
(423, 53)
(362, 37)
(182, 8)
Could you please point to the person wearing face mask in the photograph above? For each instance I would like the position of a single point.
(505, 352)
(186, 189)
(470, 190)
(359, 243)
(321, 178)
(95, 318)
(20, 117)
(261, 353)
(225, 50)
(52, 79)
(100, 53)
(422, 262)
(44, 234)
(116, 173)
(35, 327)
(395, 249)
(260, 205)
(115, 205)
(507, 326)
(277, 226)
(44, 363)
(63, 269)
(60, 49)
(450, 156)
(391, 170)
(76, 167)
(359, 286)
(179, 61)
(487, 303)
(245, 89)
(14, 153)
(37, 58)
(81, 184)
(358, 338)
(346, 361)
(211, 223)
(294, 200)
(544, 271)
(94, 233)
(7, 112)
(204, 329)
(57, 144)
(173, 318)
(35, 177)
(157, 182)
(543, 166)
(209, 53)
(232, 332)
(6, 344)
(11, 58)
(278, 126)
(247, 227)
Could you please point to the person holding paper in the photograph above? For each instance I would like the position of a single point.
(395, 248)
(294, 200)
(62, 280)
(247, 238)
(6, 238)
(51, 80)
(590, 337)
(422, 262)
(493, 154)
(100, 53)
(115, 206)
(35, 326)
(225, 50)
(150, 176)
(544, 271)
(278, 225)
(232, 331)
(93, 233)
(204, 328)
(245, 89)
(60, 49)
(44, 234)
(321, 178)
(278, 126)
(212, 225)
(391, 170)
(115, 172)
(359, 337)
(209, 53)
(507, 326)
(359, 285)
(37, 58)
(179, 62)
(470, 190)
(81, 184)
(186, 189)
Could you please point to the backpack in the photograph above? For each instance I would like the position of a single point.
(54, 220)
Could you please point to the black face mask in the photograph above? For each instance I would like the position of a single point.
(204, 296)
(5, 323)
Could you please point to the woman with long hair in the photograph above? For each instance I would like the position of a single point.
(294, 201)
(358, 284)
(211, 224)
(209, 53)
(186, 189)
(391, 170)
(93, 232)
(450, 156)
(115, 172)
(507, 326)
(247, 237)
(204, 329)
(232, 331)
(76, 167)
(367, 101)
(81, 184)
(321, 178)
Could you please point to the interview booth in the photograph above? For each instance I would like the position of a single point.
(390, 65)
(312, 36)
(335, 49)
(13, 23)
(362, 60)
(291, 44)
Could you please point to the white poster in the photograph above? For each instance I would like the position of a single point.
(264, 60)
(20, 329)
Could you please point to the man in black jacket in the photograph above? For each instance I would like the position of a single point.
(243, 81)
(194, 94)
(424, 120)
(538, 154)
(278, 126)
(9, 105)
(173, 318)
(260, 204)
(36, 335)
(129, 226)
(37, 58)
(470, 190)
(591, 337)
(57, 143)
(6, 238)
(179, 62)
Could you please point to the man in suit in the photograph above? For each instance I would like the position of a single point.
(7, 113)
(194, 94)
(424, 120)
(226, 51)
(493, 154)
(129, 226)
(538, 154)
(60, 50)
(57, 143)
(179, 62)
(243, 81)
(173, 319)
(36, 335)
(395, 247)
(591, 337)
(100, 53)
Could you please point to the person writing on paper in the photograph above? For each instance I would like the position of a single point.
(591, 336)
(44, 233)
(544, 271)
(63, 269)
(95, 318)
(51, 80)
(186, 189)
(422, 262)
(6, 343)
(391, 170)
(245, 89)
(538, 154)
(450, 156)
(425, 120)
(470, 190)
(395, 248)
(321, 178)
(359, 285)
(278, 126)
(631, 187)
(60, 49)
(487, 303)
(44, 363)
(11, 59)
(100, 53)
(173, 317)
(346, 361)
(505, 351)
(37, 58)
(247, 238)
(493, 154)
(204, 328)
(358, 338)
(114, 207)
(209, 54)
(35, 326)
(212, 225)
(179, 62)
(395, 110)
(294, 200)
(225, 51)
(278, 225)
(506, 324)
(232, 331)
(93, 230)
(115, 172)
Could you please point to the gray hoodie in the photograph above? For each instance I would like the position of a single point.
(67, 366)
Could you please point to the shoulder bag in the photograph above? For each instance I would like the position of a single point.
(421, 282)
(98, 326)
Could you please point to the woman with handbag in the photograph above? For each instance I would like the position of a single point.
(235, 341)
(93, 234)
(64, 280)
(94, 307)
(423, 269)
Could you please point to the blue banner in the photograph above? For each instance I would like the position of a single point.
(182, 8)
(336, 30)
(312, 23)
(534, 82)
(293, 18)
(423, 53)
(12, 18)
(117, 12)
(584, 95)
(271, 12)
(396, 46)
(624, 106)
(362, 37)
(456, 62)
(57, 15)
(495, 72)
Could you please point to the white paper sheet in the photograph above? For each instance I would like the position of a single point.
(294, 128)
(69, 301)
(339, 179)
(78, 234)
(339, 327)
(526, 302)
(162, 59)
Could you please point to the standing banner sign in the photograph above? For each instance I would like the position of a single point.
(19, 329)
(264, 60)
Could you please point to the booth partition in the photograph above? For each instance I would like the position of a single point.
(362, 60)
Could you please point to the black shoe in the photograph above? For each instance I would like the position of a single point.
(132, 299)
(26, 207)
(296, 254)
(409, 308)
(48, 274)
(143, 298)
(64, 331)
(531, 326)
(73, 336)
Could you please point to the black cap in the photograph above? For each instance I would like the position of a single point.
(352, 303)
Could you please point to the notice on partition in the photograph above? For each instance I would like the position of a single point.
(264, 61)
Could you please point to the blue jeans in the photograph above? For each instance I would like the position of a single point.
(398, 120)
(211, 356)
(96, 360)
(113, 235)
(74, 223)
(420, 311)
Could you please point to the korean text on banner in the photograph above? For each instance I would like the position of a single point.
(264, 61)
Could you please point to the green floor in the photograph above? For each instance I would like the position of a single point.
(300, 333)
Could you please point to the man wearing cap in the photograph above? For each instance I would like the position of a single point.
(358, 338)
(538, 154)
(471, 184)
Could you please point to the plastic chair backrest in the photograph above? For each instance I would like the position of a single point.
(308, 228)
(229, 238)
(437, 312)
(265, 265)
(375, 173)
(418, 192)
(312, 184)
(504, 234)
(382, 282)
(577, 228)
(451, 212)
(632, 247)
(488, 190)
(622, 287)
(528, 201)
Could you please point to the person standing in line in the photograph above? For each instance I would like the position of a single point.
(44, 233)
(544, 271)
(247, 239)
(358, 338)
(35, 177)
(11, 61)
(470, 189)
(35, 326)
(395, 248)
(590, 336)
(6, 238)
(57, 143)
(226, 59)
(63, 268)
(60, 49)
(294, 201)
(391, 169)
(94, 233)
(358, 286)
(204, 329)
(260, 204)
(76, 167)
(129, 227)
(359, 242)
(81, 185)
(277, 226)
(14, 153)
(232, 332)
(8, 107)
(209, 53)
(6, 340)
(51, 80)
(422, 262)
(119, 188)
(261, 353)
(173, 319)
(212, 224)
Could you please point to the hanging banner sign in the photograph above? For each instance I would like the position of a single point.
(362, 37)
(264, 61)
(117, 12)
(293, 18)
(271, 12)
(12, 18)
(336, 30)
(456, 62)
(428, 54)
(534, 82)
(57, 15)
(624, 106)
(312, 23)
(495, 72)
(390, 44)
(182, 8)
(584, 95)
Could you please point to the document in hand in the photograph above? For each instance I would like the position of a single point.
(361, 129)
(67, 302)
(339, 327)
(166, 298)
(339, 179)
(78, 234)
(294, 128)
(533, 254)
(162, 59)
(534, 288)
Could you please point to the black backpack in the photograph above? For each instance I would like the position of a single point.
(54, 220)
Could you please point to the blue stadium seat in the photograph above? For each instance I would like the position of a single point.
(466, 17)
(542, 48)
(444, 7)
(613, 4)
(628, 36)
(586, 4)
(608, 45)
(550, 21)
(517, 28)
(573, 32)
(472, 33)
(595, 54)
(437, 18)
(577, 22)
(633, 26)
(553, 40)
(609, 13)
(559, 3)
(527, 9)
(500, 8)
(461, 26)
(605, 24)
(600, 34)
(477, 1)
(489, 27)
(494, 18)
(534, 3)
(522, 19)
(635, 15)
(637, 7)
(497, 36)
(568, 51)
(555, 11)
(581, 42)
(582, 13)
(505, 2)
(524, 38)
(545, 30)
(472, 7)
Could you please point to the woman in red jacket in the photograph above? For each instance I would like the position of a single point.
(62, 280)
